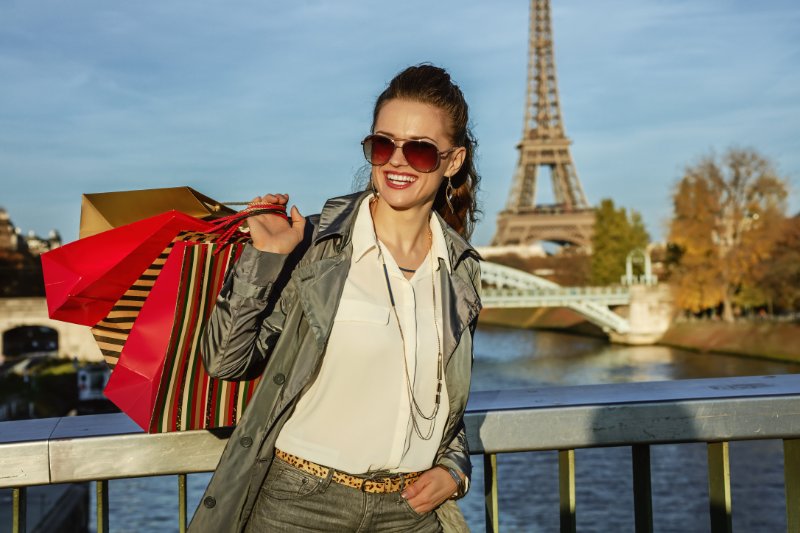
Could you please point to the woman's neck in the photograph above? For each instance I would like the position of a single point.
(405, 232)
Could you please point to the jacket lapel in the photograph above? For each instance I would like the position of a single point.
(458, 292)
(320, 283)
(320, 286)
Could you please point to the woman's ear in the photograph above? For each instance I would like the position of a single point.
(456, 160)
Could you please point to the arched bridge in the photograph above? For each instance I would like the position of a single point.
(508, 287)
(73, 340)
(502, 287)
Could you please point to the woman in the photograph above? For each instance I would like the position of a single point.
(361, 320)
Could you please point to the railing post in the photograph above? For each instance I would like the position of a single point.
(182, 503)
(19, 520)
(642, 494)
(566, 490)
(490, 492)
(719, 487)
(791, 476)
(101, 492)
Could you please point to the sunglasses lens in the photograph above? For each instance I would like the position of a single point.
(378, 150)
(422, 156)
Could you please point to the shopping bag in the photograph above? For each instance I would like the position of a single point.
(159, 379)
(111, 333)
(85, 278)
(105, 210)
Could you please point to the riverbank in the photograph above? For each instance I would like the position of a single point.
(763, 339)
(779, 341)
(548, 318)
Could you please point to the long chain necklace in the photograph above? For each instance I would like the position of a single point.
(414, 408)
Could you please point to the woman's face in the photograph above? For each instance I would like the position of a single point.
(397, 183)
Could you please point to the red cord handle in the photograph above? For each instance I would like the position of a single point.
(228, 226)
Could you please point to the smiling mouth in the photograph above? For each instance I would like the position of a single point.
(399, 181)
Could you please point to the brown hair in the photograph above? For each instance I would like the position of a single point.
(432, 85)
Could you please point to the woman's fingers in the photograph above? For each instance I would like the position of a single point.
(432, 488)
(272, 233)
(272, 198)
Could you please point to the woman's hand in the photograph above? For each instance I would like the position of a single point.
(272, 233)
(430, 490)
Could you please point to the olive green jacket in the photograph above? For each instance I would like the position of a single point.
(273, 317)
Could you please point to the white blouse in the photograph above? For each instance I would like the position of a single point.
(355, 415)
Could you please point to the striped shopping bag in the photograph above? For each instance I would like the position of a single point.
(111, 333)
(159, 379)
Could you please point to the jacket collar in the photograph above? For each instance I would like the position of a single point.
(338, 216)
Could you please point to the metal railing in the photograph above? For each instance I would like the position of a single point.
(712, 411)
(561, 297)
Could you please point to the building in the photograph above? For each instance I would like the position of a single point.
(20, 267)
(12, 241)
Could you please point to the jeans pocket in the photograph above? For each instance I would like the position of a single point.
(409, 509)
(285, 482)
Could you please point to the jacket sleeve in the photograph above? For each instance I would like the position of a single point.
(456, 456)
(248, 317)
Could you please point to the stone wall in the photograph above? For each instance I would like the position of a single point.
(753, 338)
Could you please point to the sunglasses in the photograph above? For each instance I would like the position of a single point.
(423, 156)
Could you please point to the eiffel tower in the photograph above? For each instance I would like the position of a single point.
(570, 221)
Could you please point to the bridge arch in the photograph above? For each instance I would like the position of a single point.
(73, 340)
(20, 340)
(508, 287)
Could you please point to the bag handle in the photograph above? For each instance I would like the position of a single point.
(228, 226)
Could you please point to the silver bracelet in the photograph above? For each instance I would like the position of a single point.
(457, 479)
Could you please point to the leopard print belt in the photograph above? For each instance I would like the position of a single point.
(377, 485)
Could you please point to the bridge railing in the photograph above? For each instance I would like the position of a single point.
(504, 297)
(639, 415)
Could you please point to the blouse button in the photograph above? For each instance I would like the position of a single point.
(279, 379)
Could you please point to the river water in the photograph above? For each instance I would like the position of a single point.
(516, 359)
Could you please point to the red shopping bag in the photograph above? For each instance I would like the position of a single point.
(85, 278)
(159, 379)
(111, 333)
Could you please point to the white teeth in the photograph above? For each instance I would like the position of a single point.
(403, 179)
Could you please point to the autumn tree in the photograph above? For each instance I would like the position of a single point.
(726, 211)
(616, 234)
(779, 278)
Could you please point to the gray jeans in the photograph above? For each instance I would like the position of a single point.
(293, 500)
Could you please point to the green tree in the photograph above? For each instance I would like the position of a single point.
(616, 234)
(725, 214)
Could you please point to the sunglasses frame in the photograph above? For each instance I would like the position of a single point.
(439, 155)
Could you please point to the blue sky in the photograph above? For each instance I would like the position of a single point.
(238, 99)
